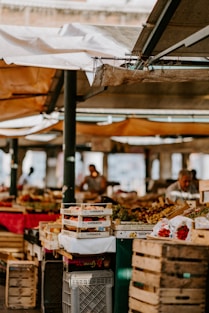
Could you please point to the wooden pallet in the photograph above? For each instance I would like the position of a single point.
(168, 276)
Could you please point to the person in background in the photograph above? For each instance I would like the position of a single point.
(195, 180)
(95, 182)
(183, 188)
(25, 179)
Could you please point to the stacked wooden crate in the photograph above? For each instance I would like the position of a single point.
(168, 277)
(86, 220)
(200, 231)
(48, 234)
(12, 243)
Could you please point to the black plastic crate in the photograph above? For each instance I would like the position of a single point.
(32, 235)
(51, 291)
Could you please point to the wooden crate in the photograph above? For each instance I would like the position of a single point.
(12, 243)
(86, 220)
(168, 276)
(28, 250)
(21, 284)
(200, 236)
(204, 191)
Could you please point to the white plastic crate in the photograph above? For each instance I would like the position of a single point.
(87, 291)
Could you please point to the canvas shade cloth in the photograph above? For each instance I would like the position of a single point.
(127, 127)
(43, 127)
(143, 127)
(30, 58)
(23, 90)
(108, 75)
(71, 47)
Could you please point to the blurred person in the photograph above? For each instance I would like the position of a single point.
(183, 188)
(195, 180)
(95, 182)
(25, 178)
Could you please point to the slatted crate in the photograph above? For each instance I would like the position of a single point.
(4, 257)
(12, 243)
(168, 277)
(81, 220)
(21, 284)
(48, 234)
(51, 286)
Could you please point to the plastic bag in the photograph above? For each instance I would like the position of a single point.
(162, 229)
(181, 227)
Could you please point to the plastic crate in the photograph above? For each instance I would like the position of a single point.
(87, 291)
(51, 289)
(32, 235)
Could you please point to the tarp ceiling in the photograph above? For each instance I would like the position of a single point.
(24, 90)
(170, 22)
(108, 75)
(33, 59)
(143, 127)
(176, 30)
(72, 46)
(128, 127)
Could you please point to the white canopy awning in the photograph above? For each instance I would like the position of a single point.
(73, 46)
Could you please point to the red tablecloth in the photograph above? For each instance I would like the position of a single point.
(17, 222)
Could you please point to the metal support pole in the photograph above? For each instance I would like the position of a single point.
(14, 165)
(147, 168)
(69, 136)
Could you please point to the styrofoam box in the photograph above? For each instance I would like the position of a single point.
(132, 226)
(37, 250)
(87, 291)
(131, 233)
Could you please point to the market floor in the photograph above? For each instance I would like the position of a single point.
(3, 308)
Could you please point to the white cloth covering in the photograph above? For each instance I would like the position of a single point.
(87, 246)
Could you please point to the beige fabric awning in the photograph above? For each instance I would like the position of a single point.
(143, 127)
(128, 127)
(24, 90)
